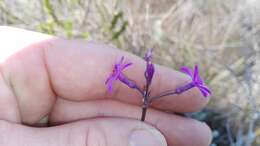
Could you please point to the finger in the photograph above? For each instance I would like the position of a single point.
(176, 129)
(15, 39)
(29, 100)
(95, 132)
(77, 70)
(9, 109)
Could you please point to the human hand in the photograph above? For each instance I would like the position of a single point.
(61, 82)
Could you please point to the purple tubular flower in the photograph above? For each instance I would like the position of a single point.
(117, 74)
(148, 55)
(149, 72)
(196, 82)
(128, 82)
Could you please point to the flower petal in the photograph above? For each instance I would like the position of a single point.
(186, 70)
(127, 65)
(204, 93)
(199, 80)
(205, 90)
(108, 79)
(195, 73)
(109, 82)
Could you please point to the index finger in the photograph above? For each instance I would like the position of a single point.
(77, 71)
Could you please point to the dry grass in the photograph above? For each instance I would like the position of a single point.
(223, 37)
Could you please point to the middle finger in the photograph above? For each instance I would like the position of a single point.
(179, 131)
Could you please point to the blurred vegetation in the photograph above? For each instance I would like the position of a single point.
(223, 37)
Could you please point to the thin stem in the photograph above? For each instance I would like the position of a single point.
(145, 102)
(162, 95)
(144, 110)
(178, 90)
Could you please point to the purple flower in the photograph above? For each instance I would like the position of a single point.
(117, 74)
(149, 72)
(148, 55)
(196, 82)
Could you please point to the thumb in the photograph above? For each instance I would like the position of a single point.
(94, 132)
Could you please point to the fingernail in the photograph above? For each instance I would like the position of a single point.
(147, 137)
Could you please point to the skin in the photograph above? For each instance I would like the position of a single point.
(48, 80)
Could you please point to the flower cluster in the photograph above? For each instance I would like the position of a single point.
(118, 74)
